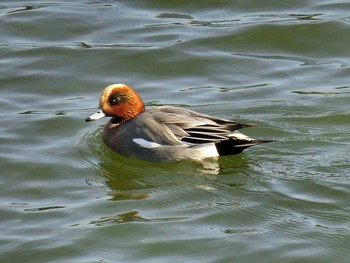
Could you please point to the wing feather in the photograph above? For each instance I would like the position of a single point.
(196, 128)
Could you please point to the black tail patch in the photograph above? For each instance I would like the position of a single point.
(231, 146)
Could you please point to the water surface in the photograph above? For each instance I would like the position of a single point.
(66, 197)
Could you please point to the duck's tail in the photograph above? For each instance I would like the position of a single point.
(236, 143)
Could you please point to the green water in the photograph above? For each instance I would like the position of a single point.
(285, 65)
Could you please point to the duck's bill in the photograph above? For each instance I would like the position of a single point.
(98, 115)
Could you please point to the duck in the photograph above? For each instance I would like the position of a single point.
(165, 133)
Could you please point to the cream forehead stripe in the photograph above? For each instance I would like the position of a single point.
(107, 91)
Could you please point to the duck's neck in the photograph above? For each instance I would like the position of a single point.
(127, 113)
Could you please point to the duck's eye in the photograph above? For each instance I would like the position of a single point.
(117, 97)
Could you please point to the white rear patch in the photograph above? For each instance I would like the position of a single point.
(209, 150)
(146, 144)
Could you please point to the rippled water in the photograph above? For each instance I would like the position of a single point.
(285, 65)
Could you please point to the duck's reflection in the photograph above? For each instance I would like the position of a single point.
(132, 179)
(127, 179)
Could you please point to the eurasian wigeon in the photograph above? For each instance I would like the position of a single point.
(165, 133)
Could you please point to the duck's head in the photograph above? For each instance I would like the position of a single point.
(119, 101)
